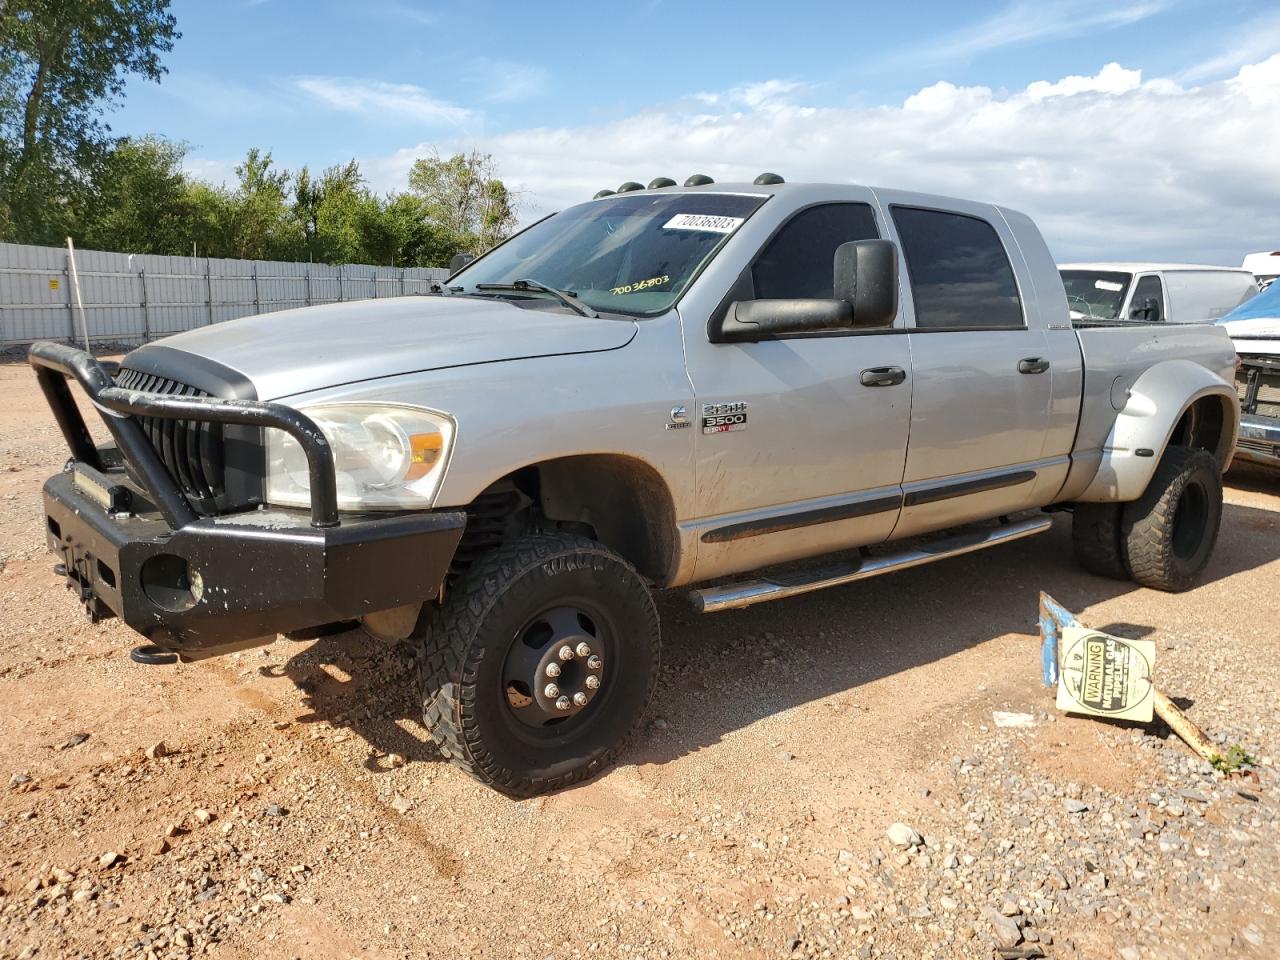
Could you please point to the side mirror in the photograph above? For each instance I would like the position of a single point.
(866, 277)
(865, 283)
(1149, 310)
(751, 320)
(459, 261)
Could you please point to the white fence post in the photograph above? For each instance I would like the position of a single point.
(75, 283)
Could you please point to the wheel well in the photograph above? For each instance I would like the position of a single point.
(1201, 427)
(619, 501)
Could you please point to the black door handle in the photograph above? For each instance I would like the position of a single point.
(882, 376)
(1033, 365)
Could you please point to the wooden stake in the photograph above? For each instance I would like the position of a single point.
(1182, 725)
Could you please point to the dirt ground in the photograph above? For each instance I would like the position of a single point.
(296, 808)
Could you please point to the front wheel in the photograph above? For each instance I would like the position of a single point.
(1169, 532)
(540, 663)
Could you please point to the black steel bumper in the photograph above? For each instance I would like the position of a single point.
(206, 585)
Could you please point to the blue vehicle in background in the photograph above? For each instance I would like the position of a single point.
(1254, 328)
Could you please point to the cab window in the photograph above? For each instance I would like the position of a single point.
(799, 262)
(960, 274)
(1148, 300)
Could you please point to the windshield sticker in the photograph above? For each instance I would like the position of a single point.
(704, 222)
(642, 285)
(1108, 285)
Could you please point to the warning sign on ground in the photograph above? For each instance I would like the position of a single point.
(1106, 676)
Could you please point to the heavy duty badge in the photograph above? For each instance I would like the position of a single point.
(724, 417)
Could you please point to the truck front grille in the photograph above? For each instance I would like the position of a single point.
(1258, 383)
(196, 454)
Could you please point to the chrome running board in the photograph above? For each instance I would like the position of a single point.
(736, 595)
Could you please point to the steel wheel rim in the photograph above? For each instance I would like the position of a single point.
(546, 694)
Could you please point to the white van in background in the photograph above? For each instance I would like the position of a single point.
(1154, 292)
(1265, 266)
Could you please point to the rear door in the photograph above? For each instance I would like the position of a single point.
(982, 374)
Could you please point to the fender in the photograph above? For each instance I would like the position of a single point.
(1156, 403)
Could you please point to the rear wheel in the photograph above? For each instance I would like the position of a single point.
(1169, 532)
(1095, 534)
(540, 664)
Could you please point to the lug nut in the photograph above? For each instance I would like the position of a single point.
(580, 698)
(566, 652)
(593, 683)
(553, 670)
(584, 650)
(594, 663)
(563, 703)
(551, 691)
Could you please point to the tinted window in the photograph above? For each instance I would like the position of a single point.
(960, 274)
(1148, 288)
(799, 261)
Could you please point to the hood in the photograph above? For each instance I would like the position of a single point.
(295, 351)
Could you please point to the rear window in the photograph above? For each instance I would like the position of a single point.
(960, 274)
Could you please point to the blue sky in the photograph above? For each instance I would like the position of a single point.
(1100, 118)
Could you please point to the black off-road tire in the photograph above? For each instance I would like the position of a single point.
(1095, 534)
(465, 646)
(1169, 532)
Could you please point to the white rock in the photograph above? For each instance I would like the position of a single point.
(900, 835)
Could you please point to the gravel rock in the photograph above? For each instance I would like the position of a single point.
(901, 835)
(1074, 806)
(1004, 930)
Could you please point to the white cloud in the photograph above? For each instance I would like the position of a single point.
(1025, 21)
(504, 81)
(382, 101)
(1110, 165)
(1250, 43)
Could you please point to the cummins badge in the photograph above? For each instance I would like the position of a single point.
(1106, 676)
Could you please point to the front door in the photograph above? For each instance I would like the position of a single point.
(800, 441)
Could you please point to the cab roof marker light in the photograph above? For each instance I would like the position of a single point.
(767, 179)
(657, 183)
(698, 180)
(602, 193)
(630, 186)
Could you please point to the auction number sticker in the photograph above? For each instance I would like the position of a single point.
(640, 285)
(1108, 285)
(705, 222)
(1106, 676)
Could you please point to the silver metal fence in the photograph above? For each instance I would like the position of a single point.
(133, 298)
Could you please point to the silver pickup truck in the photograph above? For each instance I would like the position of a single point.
(668, 387)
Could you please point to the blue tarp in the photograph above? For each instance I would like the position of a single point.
(1265, 306)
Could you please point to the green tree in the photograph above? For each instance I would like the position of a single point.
(63, 63)
(140, 201)
(263, 226)
(464, 196)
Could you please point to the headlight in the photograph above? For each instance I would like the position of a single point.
(385, 455)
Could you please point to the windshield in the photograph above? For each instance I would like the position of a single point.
(1095, 294)
(627, 254)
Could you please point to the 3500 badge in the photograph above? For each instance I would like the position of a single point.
(724, 417)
